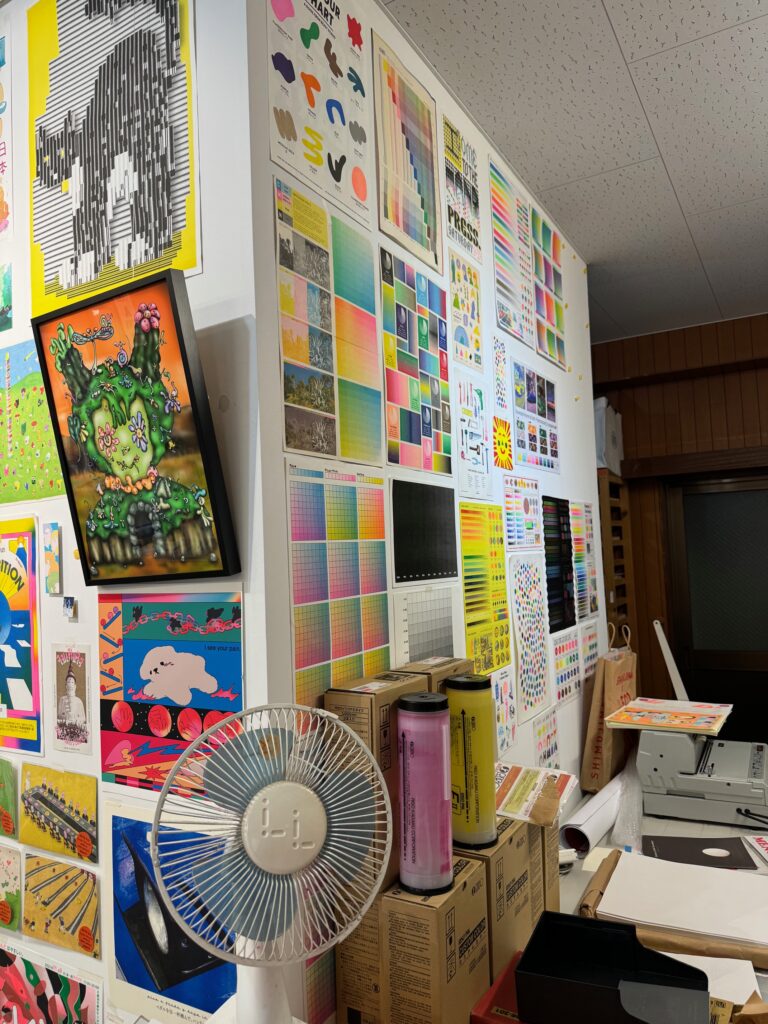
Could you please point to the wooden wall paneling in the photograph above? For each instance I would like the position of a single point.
(734, 411)
(626, 406)
(643, 447)
(702, 415)
(685, 398)
(742, 341)
(715, 387)
(600, 361)
(709, 352)
(759, 332)
(646, 505)
(692, 342)
(761, 380)
(632, 356)
(616, 360)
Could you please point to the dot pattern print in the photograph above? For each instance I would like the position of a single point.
(529, 617)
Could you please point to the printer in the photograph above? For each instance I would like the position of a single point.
(704, 779)
(698, 777)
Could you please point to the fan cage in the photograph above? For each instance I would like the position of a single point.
(248, 916)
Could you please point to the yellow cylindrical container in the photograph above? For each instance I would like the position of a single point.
(473, 749)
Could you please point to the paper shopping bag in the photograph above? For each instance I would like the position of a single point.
(606, 750)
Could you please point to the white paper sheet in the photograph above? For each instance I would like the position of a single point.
(688, 898)
(732, 980)
(590, 822)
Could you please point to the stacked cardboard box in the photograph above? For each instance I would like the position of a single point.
(438, 669)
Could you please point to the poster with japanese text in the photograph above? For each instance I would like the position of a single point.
(462, 194)
(20, 697)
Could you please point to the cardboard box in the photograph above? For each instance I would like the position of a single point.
(358, 972)
(437, 670)
(515, 883)
(435, 950)
(550, 838)
(369, 707)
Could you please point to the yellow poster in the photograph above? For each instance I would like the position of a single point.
(111, 146)
(486, 610)
(61, 905)
(58, 811)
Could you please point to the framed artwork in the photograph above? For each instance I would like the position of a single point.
(71, 673)
(170, 666)
(20, 727)
(408, 155)
(135, 437)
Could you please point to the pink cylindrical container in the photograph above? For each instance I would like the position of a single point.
(424, 743)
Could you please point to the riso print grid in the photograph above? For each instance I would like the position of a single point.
(548, 286)
(415, 337)
(512, 262)
(328, 336)
(529, 618)
(338, 576)
(566, 665)
(423, 624)
(537, 442)
(584, 562)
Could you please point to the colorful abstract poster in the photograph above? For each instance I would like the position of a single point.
(558, 555)
(415, 367)
(7, 214)
(6, 287)
(529, 617)
(506, 708)
(566, 665)
(321, 123)
(58, 812)
(20, 695)
(503, 455)
(156, 970)
(462, 194)
(10, 889)
(465, 312)
(328, 335)
(537, 442)
(474, 438)
(501, 375)
(61, 905)
(547, 248)
(486, 611)
(522, 513)
(71, 667)
(338, 567)
(589, 648)
(9, 799)
(545, 740)
(34, 990)
(407, 147)
(114, 182)
(31, 467)
(511, 258)
(52, 558)
(170, 666)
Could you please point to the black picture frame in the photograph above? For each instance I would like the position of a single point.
(223, 557)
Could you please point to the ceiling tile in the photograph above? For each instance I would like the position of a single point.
(643, 267)
(645, 27)
(544, 78)
(732, 245)
(602, 327)
(708, 106)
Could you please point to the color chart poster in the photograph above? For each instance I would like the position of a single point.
(415, 367)
(529, 616)
(550, 305)
(511, 258)
(566, 665)
(31, 467)
(588, 638)
(328, 336)
(338, 568)
(465, 312)
(486, 612)
(537, 441)
(20, 693)
(506, 708)
(407, 147)
(35, 989)
(474, 438)
(114, 191)
(462, 192)
(522, 513)
(545, 740)
(321, 117)
(170, 666)
(584, 559)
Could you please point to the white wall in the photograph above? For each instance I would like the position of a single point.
(222, 299)
(577, 478)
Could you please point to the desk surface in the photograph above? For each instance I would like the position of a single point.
(573, 884)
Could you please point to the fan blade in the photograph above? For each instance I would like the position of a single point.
(234, 905)
(255, 758)
(350, 803)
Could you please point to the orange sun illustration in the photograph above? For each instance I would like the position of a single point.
(502, 444)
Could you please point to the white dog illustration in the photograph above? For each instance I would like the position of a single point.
(174, 674)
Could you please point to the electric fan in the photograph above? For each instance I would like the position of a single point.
(270, 841)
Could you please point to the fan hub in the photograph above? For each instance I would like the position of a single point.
(284, 827)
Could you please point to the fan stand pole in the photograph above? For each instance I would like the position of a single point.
(261, 996)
